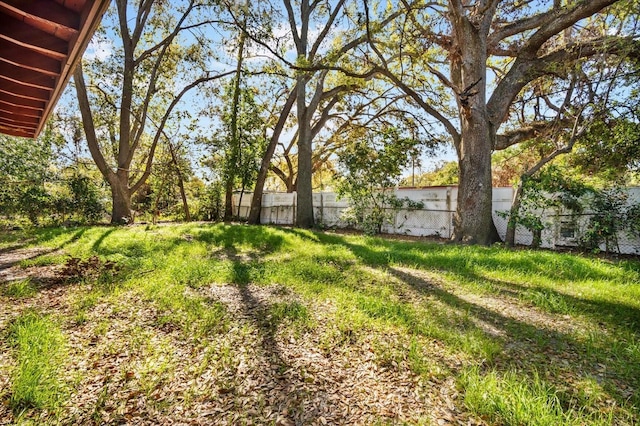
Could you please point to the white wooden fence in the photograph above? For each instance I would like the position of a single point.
(436, 218)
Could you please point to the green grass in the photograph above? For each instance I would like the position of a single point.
(516, 399)
(39, 350)
(19, 288)
(194, 315)
(288, 311)
(44, 260)
(508, 399)
(490, 317)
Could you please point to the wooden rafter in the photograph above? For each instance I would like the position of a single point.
(33, 38)
(24, 57)
(17, 102)
(26, 77)
(41, 41)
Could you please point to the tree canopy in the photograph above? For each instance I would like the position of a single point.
(285, 88)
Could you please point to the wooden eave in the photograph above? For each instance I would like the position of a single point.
(41, 42)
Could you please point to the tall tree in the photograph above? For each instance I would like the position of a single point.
(239, 142)
(135, 88)
(307, 50)
(477, 58)
(235, 151)
(323, 34)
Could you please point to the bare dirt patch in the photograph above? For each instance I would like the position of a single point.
(10, 271)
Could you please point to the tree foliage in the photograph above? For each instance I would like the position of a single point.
(372, 168)
(444, 173)
(608, 213)
(611, 149)
(25, 167)
(126, 115)
(493, 74)
(550, 188)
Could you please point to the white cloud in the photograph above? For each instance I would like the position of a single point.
(99, 49)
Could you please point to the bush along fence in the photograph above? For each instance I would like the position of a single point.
(597, 226)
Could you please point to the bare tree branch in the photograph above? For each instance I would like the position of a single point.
(160, 126)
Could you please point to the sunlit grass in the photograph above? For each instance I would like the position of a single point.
(44, 260)
(19, 288)
(513, 398)
(39, 350)
(371, 299)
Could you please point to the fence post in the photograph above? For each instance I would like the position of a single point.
(395, 221)
(295, 203)
(450, 218)
(322, 208)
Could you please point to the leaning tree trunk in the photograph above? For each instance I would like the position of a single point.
(183, 196)
(256, 201)
(183, 193)
(512, 224)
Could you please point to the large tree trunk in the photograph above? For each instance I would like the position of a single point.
(121, 196)
(119, 182)
(473, 219)
(304, 211)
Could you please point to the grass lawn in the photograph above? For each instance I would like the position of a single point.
(233, 324)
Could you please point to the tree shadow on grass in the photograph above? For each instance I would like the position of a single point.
(462, 259)
(37, 274)
(13, 247)
(44, 235)
(263, 239)
(36, 253)
(98, 242)
(137, 248)
(527, 348)
(616, 314)
(283, 395)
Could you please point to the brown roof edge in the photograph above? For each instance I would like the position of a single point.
(90, 19)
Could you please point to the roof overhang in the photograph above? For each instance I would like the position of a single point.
(41, 42)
